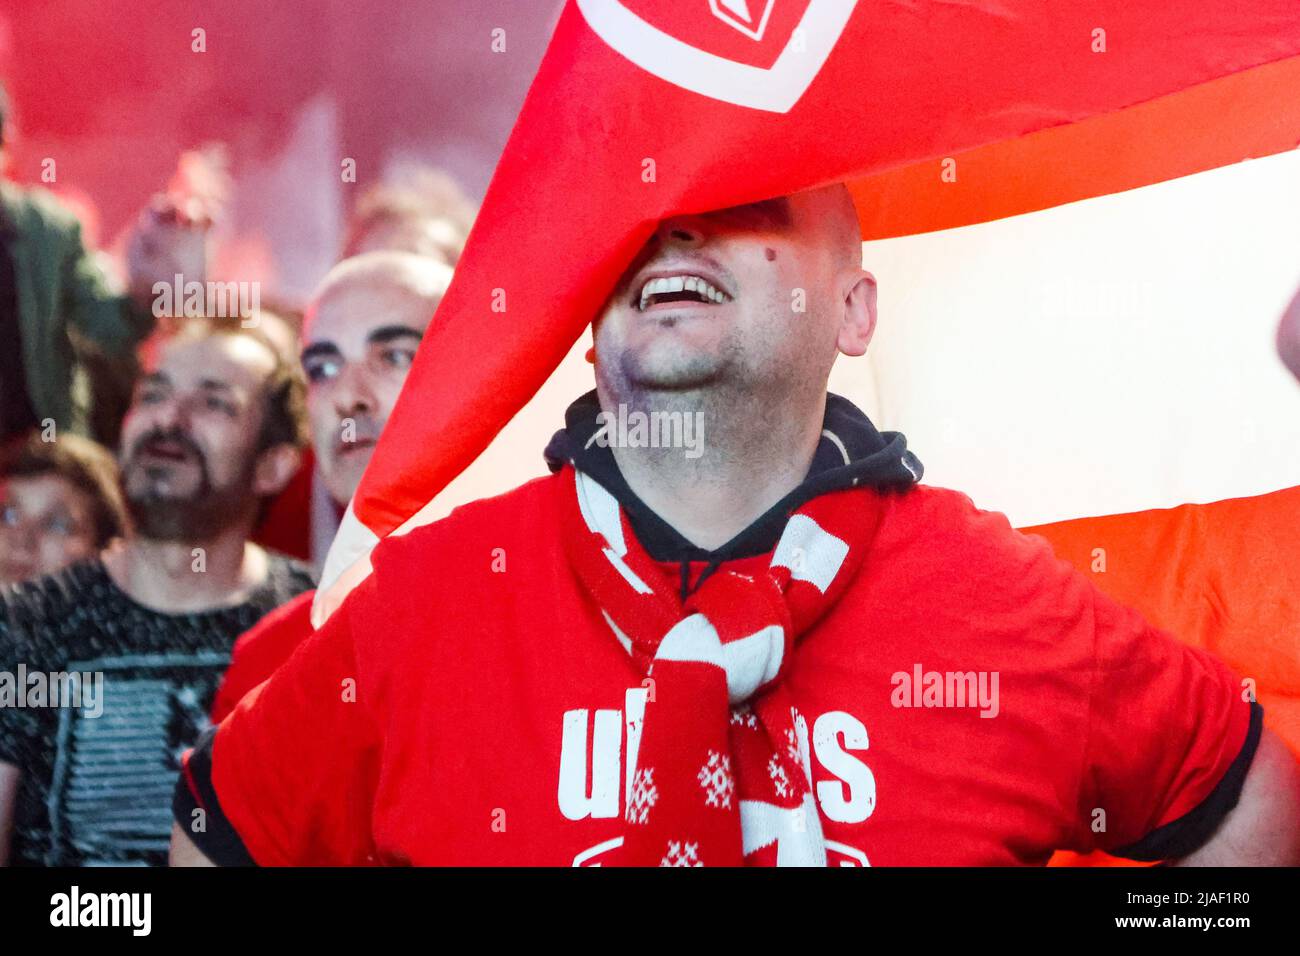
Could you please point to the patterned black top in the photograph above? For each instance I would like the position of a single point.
(99, 697)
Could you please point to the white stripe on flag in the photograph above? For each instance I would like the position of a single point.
(810, 553)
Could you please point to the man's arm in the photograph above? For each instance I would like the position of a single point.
(10, 776)
(184, 852)
(111, 323)
(1263, 829)
(288, 778)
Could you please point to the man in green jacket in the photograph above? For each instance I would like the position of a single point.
(52, 292)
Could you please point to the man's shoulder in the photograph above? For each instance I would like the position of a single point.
(945, 528)
(453, 568)
(52, 594)
(525, 512)
(943, 512)
(943, 572)
(261, 649)
(33, 614)
(286, 579)
(285, 625)
(289, 614)
(524, 499)
(35, 209)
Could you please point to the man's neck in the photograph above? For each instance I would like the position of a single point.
(749, 462)
(179, 577)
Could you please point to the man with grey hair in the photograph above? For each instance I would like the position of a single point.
(360, 334)
(214, 431)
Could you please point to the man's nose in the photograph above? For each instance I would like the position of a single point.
(353, 392)
(171, 414)
(22, 540)
(686, 231)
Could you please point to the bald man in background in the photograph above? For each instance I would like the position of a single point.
(360, 335)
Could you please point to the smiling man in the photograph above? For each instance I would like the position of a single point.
(649, 658)
(361, 332)
(213, 430)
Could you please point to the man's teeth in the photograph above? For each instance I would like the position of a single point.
(703, 288)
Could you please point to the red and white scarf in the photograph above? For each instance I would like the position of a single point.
(721, 777)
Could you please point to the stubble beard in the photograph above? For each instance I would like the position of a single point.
(201, 515)
(723, 388)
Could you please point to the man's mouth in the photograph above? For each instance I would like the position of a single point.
(359, 444)
(679, 287)
(167, 450)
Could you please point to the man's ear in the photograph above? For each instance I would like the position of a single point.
(858, 322)
(275, 467)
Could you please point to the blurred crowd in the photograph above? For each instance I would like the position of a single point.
(171, 470)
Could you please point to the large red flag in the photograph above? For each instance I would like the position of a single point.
(938, 113)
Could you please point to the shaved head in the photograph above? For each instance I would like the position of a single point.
(400, 277)
(833, 210)
(362, 332)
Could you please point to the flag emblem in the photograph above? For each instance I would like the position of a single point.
(776, 88)
(748, 16)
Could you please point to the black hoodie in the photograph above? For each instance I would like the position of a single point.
(851, 452)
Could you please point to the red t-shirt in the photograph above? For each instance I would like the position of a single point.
(468, 705)
(260, 650)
